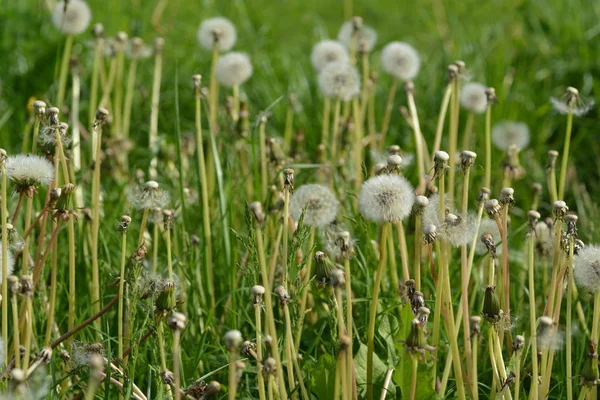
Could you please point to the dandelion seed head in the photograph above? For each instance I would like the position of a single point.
(488, 226)
(219, 32)
(233, 339)
(74, 19)
(400, 60)
(83, 353)
(473, 97)
(366, 37)
(148, 196)
(29, 171)
(386, 198)
(586, 269)
(318, 203)
(508, 133)
(572, 102)
(457, 229)
(233, 69)
(326, 52)
(339, 80)
(10, 262)
(543, 238)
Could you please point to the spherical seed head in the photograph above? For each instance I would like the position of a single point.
(474, 98)
(458, 230)
(29, 171)
(507, 133)
(366, 37)
(339, 80)
(326, 52)
(400, 60)
(219, 32)
(10, 262)
(233, 69)
(72, 19)
(233, 339)
(386, 198)
(586, 270)
(545, 322)
(148, 196)
(318, 203)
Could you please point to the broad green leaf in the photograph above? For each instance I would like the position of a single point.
(379, 371)
(323, 377)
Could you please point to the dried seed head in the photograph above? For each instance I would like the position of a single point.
(101, 117)
(452, 73)
(217, 33)
(394, 163)
(18, 375)
(484, 195)
(27, 285)
(423, 315)
(257, 294)
(338, 279)
(507, 196)
(440, 163)
(552, 157)
(386, 198)
(339, 245)
(467, 159)
(559, 209)
(39, 108)
(571, 102)
(167, 377)
(394, 150)
(417, 301)
(233, 340)
(488, 227)
(283, 295)
(14, 284)
(546, 334)
(571, 220)
(492, 207)
(317, 202)
(475, 325)
(123, 225)
(491, 96)
(176, 321)
(270, 366)
(257, 211)
(429, 233)
(44, 355)
(288, 181)
(421, 202)
(326, 52)
(148, 196)
(461, 65)
(488, 241)
(379, 169)
(518, 343)
(537, 188)
(400, 60)
(533, 218)
(248, 349)
(473, 97)
(71, 17)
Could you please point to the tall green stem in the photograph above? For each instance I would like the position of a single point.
(64, 71)
(259, 354)
(154, 110)
(4, 214)
(97, 161)
(453, 139)
(418, 139)
(565, 156)
(442, 118)
(532, 318)
(121, 289)
(305, 290)
(488, 148)
(389, 105)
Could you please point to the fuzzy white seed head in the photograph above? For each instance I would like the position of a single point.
(366, 37)
(488, 226)
(571, 103)
(148, 196)
(233, 339)
(29, 171)
(339, 80)
(219, 32)
(326, 52)
(10, 262)
(400, 60)
(74, 19)
(508, 133)
(473, 97)
(386, 198)
(431, 211)
(587, 268)
(457, 229)
(233, 69)
(318, 203)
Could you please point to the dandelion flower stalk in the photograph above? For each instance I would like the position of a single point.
(571, 96)
(288, 188)
(335, 135)
(569, 321)
(136, 44)
(176, 322)
(409, 87)
(118, 85)
(284, 298)
(264, 173)
(257, 294)
(451, 76)
(15, 287)
(533, 218)
(98, 54)
(64, 71)
(551, 174)
(27, 291)
(124, 228)
(4, 258)
(491, 97)
(289, 121)
(154, 107)
(474, 99)
(453, 135)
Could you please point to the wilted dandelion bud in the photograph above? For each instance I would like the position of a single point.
(571, 102)
(101, 117)
(475, 325)
(217, 33)
(394, 163)
(493, 208)
(339, 80)
(451, 73)
(586, 270)
(488, 241)
(233, 69)
(167, 377)
(233, 340)
(338, 279)
(323, 269)
(258, 292)
(429, 233)
(366, 37)
(386, 198)
(571, 220)
(270, 366)
(400, 60)
(176, 321)
(416, 337)
(65, 200)
(28, 172)
(423, 315)
(282, 295)
(166, 300)
(484, 195)
(440, 163)
(123, 225)
(589, 375)
(518, 343)
(507, 196)
(467, 159)
(326, 52)
(507, 133)
(71, 17)
(473, 97)
(552, 157)
(317, 202)
(491, 305)
(559, 209)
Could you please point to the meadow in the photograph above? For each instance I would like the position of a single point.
(299, 199)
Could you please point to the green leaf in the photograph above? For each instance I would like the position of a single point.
(322, 378)
(379, 371)
(403, 373)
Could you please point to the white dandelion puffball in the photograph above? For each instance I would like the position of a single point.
(473, 97)
(10, 263)
(339, 80)
(400, 60)
(148, 196)
(586, 270)
(326, 52)
(74, 20)
(507, 133)
(219, 32)
(457, 229)
(366, 36)
(29, 170)
(488, 226)
(318, 203)
(386, 198)
(233, 69)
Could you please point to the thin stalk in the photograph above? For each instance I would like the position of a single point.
(155, 246)
(95, 78)
(488, 148)
(466, 145)
(305, 290)
(358, 146)
(453, 137)
(4, 215)
(532, 318)
(518, 374)
(121, 289)
(418, 141)
(129, 92)
(403, 250)
(16, 337)
(439, 289)
(289, 355)
(565, 156)
(465, 277)
(17, 208)
(155, 101)
(236, 103)
(496, 376)
(371, 123)
(264, 180)
(176, 361)
(373, 308)
(64, 71)
(335, 136)
(259, 354)
(97, 161)
(286, 229)
(364, 95)
(474, 351)
(28, 329)
(413, 376)
(289, 126)
(143, 225)
(350, 327)
(442, 119)
(569, 328)
(417, 253)
(503, 228)
(169, 255)
(161, 349)
(552, 184)
(389, 105)
(213, 88)
(343, 353)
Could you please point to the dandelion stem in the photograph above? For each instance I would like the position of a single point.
(565, 157)
(259, 355)
(16, 337)
(474, 351)
(289, 355)
(176, 361)
(53, 288)
(419, 141)
(453, 138)
(349, 325)
(442, 118)
(28, 329)
(389, 105)
(4, 214)
(17, 208)
(286, 228)
(305, 289)
(413, 379)
(532, 318)
(264, 180)
(121, 289)
(418, 245)
(98, 49)
(129, 92)
(335, 136)
(64, 70)
(97, 161)
(289, 125)
(488, 147)
(468, 131)
(155, 100)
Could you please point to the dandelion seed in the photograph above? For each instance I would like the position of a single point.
(10, 262)
(28, 172)
(386, 198)
(71, 17)
(586, 270)
(148, 196)
(339, 80)
(457, 229)
(326, 52)
(233, 69)
(488, 226)
(400, 60)
(219, 32)
(318, 203)
(366, 37)
(571, 102)
(507, 133)
(473, 97)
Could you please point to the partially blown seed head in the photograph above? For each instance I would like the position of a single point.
(473, 97)
(71, 17)
(318, 203)
(488, 226)
(326, 52)
(400, 60)
(28, 171)
(366, 37)
(507, 133)
(386, 198)
(233, 69)
(217, 32)
(339, 80)
(586, 270)
(148, 196)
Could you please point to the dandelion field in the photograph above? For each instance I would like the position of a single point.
(304, 200)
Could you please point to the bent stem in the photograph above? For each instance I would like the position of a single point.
(418, 140)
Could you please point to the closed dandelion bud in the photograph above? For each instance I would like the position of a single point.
(394, 162)
(338, 279)
(507, 196)
(429, 233)
(484, 195)
(467, 159)
(323, 269)
(475, 325)
(316, 202)
(386, 198)
(233, 340)
(282, 294)
(423, 315)
(257, 294)
(176, 321)
(124, 223)
(491, 306)
(551, 163)
(589, 375)
(166, 300)
(415, 342)
(488, 241)
(559, 210)
(270, 366)
(473, 97)
(257, 211)
(518, 343)
(492, 207)
(167, 377)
